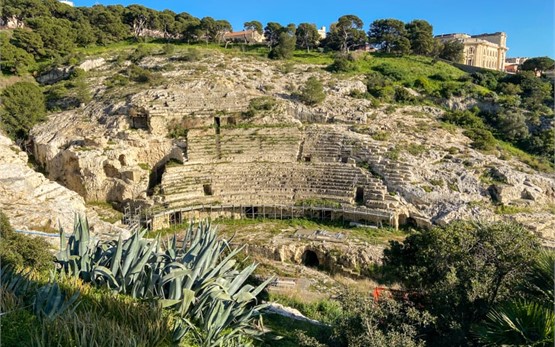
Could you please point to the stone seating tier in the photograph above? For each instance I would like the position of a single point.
(290, 182)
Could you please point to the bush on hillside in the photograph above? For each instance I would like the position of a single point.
(423, 85)
(21, 250)
(142, 75)
(481, 138)
(343, 63)
(24, 105)
(313, 92)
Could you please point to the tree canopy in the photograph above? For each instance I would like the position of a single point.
(421, 37)
(346, 34)
(538, 64)
(463, 270)
(389, 35)
(23, 105)
(307, 36)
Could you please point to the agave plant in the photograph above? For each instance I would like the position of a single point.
(48, 301)
(200, 280)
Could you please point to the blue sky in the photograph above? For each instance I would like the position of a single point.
(529, 24)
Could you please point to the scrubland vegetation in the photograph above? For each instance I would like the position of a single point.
(465, 284)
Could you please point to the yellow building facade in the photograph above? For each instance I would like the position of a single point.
(485, 50)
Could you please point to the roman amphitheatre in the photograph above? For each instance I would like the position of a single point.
(312, 192)
(225, 134)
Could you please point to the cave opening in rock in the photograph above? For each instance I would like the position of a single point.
(411, 223)
(359, 195)
(207, 189)
(310, 259)
(217, 124)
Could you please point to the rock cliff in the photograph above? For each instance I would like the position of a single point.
(33, 202)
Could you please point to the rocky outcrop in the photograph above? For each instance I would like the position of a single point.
(345, 257)
(33, 202)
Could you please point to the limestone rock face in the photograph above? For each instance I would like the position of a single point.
(402, 159)
(31, 201)
(106, 165)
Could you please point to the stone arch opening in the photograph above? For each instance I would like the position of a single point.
(310, 259)
(411, 223)
(359, 195)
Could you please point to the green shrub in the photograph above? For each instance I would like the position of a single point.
(141, 75)
(263, 103)
(440, 76)
(21, 250)
(168, 49)
(380, 87)
(313, 92)
(139, 53)
(450, 89)
(190, 55)
(465, 119)
(342, 63)
(481, 138)
(24, 105)
(19, 327)
(389, 71)
(423, 85)
(402, 95)
(116, 80)
(380, 323)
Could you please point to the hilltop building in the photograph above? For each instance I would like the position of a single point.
(322, 33)
(485, 50)
(245, 36)
(512, 64)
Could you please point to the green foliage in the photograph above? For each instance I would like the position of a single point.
(342, 63)
(29, 41)
(463, 270)
(312, 93)
(168, 49)
(381, 323)
(253, 25)
(307, 36)
(23, 106)
(452, 50)
(510, 125)
(284, 47)
(481, 138)
(538, 64)
(464, 119)
(518, 323)
(402, 95)
(259, 105)
(57, 35)
(420, 34)
(142, 75)
(347, 34)
(116, 80)
(380, 87)
(139, 53)
(423, 85)
(389, 35)
(390, 71)
(197, 281)
(21, 250)
(14, 59)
